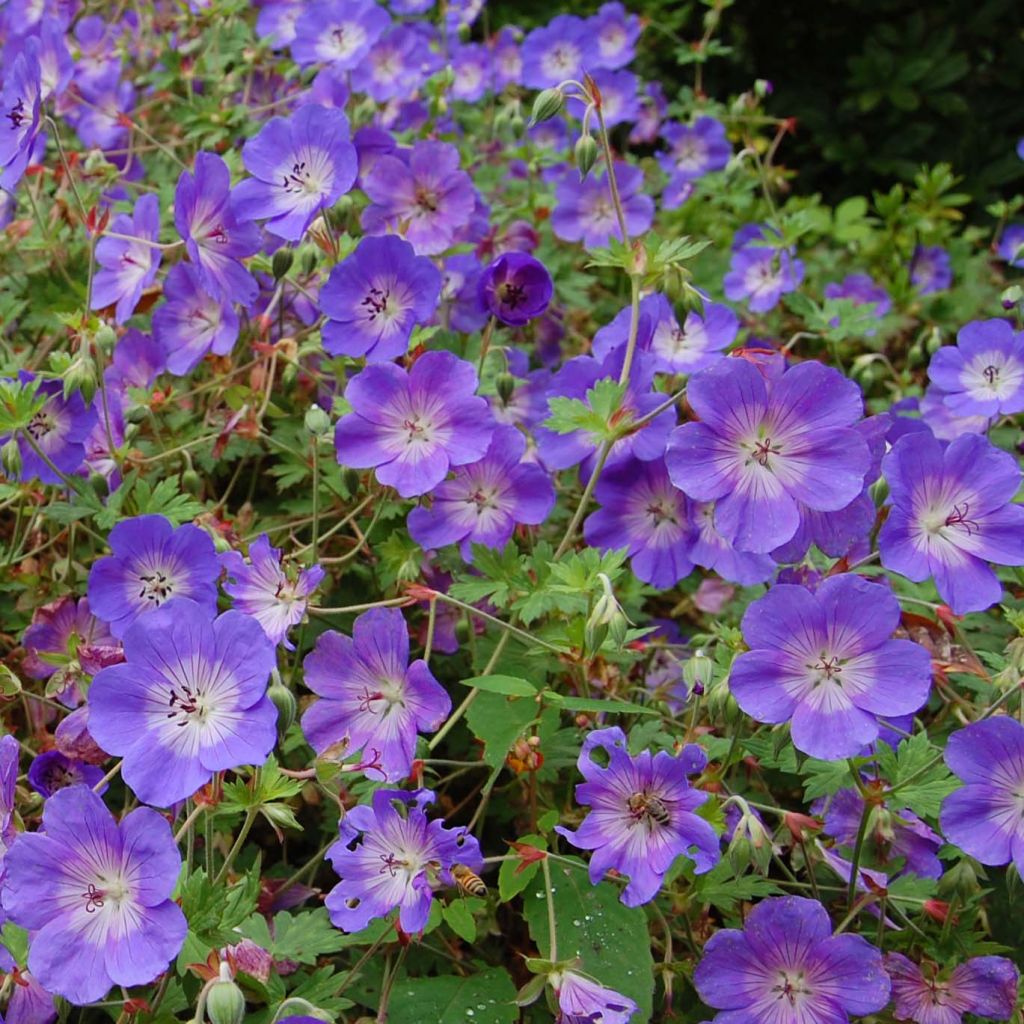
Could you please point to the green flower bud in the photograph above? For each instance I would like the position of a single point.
(934, 342)
(284, 700)
(351, 479)
(585, 154)
(309, 262)
(698, 672)
(607, 619)
(547, 104)
(81, 376)
(506, 385)
(191, 482)
(318, 423)
(282, 262)
(10, 456)
(136, 414)
(960, 880)
(225, 1003)
(105, 337)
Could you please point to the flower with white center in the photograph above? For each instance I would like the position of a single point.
(983, 374)
(95, 896)
(189, 700)
(300, 166)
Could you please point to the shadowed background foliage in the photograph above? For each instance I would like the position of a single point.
(878, 87)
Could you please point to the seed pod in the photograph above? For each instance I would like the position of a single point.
(282, 263)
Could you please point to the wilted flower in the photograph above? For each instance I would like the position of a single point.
(642, 814)
(375, 297)
(398, 855)
(152, 562)
(371, 698)
(95, 895)
(827, 663)
(414, 426)
(261, 588)
(189, 700)
(786, 967)
(983, 985)
(63, 630)
(951, 513)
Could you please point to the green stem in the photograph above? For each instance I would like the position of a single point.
(858, 849)
(521, 634)
(553, 943)
(243, 834)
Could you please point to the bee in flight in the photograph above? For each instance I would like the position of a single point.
(467, 882)
(641, 804)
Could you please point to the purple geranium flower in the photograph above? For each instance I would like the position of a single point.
(107, 97)
(951, 513)
(892, 833)
(564, 48)
(695, 149)
(485, 500)
(429, 198)
(861, 290)
(712, 551)
(786, 967)
(617, 31)
(338, 32)
(653, 106)
(19, 123)
(471, 67)
(372, 699)
(395, 65)
(126, 268)
(506, 57)
(190, 700)
(676, 349)
(398, 858)
(214, 237)
(585, 213)
(152, 562)
(516, 288)
(1011, 245)
(59, 430)
(983, 374)
(30, 1003)
(461, 308)
(375, 297)
(763, 446)
(930, 269)
(412, 427)
(95, 895)
(582, 1001)
(983, 817)
(261, 588)
(61, 631)
(575, 380)
(643, 814)
(643, 512)
(760, 272)
(984, 985)
(300, 166)
(53, 771)
(826, 662)
(192, 322)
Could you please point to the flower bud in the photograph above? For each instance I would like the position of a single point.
(1011, 296)
(547, 104)
(318, 423)
(282, 262)
(698, 672)
(607, 619)
(934, 342)
(81, 376)
(351, 479)
(505, 384)
(585, 154)
(225, 1003)
(284, 700)
(308, 264)
(191, 482)
(10, 456)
